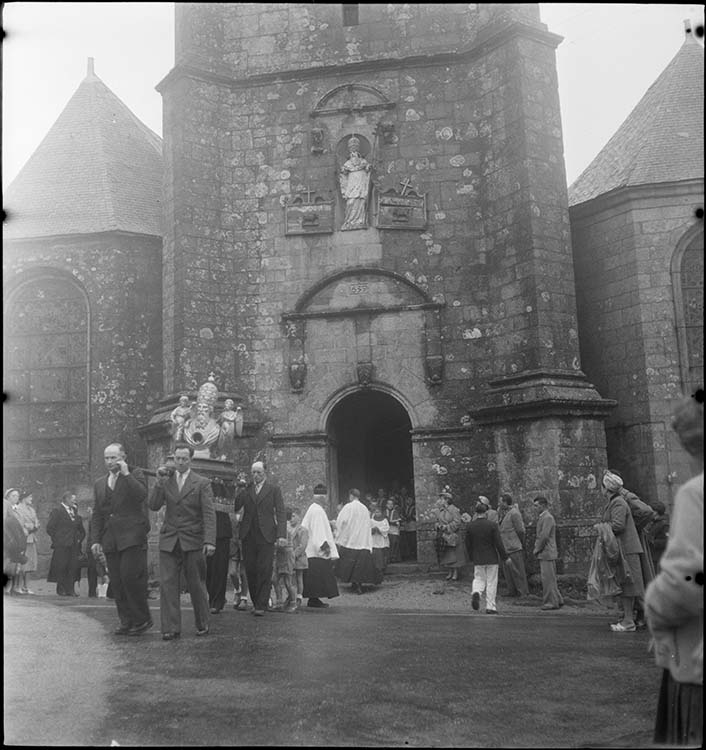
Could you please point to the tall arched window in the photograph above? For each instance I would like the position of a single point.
(688, 282)
(46, 329)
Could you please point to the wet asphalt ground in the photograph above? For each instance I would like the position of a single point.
(404, 666)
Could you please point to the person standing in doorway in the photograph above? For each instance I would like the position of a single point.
(512, 532)
(263, 525)
(546, 551)
(120, 527)
(187, 538)
(354, 540)
(408, 526)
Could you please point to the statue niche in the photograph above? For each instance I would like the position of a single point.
(354, 179)
(196, 424)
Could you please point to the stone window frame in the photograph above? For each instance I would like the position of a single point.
(682, 246)
(11, 295)
(350, 14)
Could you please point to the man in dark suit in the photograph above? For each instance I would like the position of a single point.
(66, 531)
(119, 530)
(187, 538)
(263, 521)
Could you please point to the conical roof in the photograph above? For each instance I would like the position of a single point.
(99, 169)
(662, 139)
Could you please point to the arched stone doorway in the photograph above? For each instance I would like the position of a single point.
(370, 447)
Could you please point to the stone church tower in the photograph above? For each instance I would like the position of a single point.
(367, 241)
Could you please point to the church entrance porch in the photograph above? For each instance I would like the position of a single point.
(370, 448)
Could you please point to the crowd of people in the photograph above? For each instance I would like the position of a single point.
(276, 556)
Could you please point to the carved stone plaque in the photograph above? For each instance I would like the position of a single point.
(308, 213)
(404, 209)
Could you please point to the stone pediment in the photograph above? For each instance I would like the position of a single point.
(362, 289)
(351, 97)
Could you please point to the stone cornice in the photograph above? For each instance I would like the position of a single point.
(488, 39)
(422, 434)
(544, 409)
(316, 439)
(622, 195)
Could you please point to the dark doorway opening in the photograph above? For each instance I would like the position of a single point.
(371, 445)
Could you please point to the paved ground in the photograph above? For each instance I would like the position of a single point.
(402, 666)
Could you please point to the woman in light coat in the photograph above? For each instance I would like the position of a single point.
(674, 603)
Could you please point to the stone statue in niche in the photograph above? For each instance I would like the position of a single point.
(208, 436)
(354, 179)
(231, 422)
(179, 417)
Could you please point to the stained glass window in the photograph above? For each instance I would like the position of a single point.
(46, 368)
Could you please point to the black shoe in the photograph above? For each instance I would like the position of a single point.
(491, 611)
(203, 631)
(170, 636)
(122, 630)
(475, 600)
(215, 611)
(141, 628)
(314, 602)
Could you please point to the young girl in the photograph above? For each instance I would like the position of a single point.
(300, 538)
(284, 567)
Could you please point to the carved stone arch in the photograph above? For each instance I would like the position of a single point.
(349, 98)
(47, 329)
(356, 272)
(362, 293)
(336, 397)
(687, 272)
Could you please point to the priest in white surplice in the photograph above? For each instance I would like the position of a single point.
(355, 543)
(319, 579)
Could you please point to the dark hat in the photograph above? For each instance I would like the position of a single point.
(320, 489)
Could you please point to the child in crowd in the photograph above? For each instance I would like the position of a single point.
(284, 571)
(380, 529)
(300, 538)
(236, 570)
(393, 518)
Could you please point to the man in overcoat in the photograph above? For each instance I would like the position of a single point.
(119, 531)
(263, 524)
(187, 538)
(67, 533)
(546, 550)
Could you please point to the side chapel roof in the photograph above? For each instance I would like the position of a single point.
(98, 169)
(662, 139)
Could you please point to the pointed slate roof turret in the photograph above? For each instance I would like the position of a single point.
(98, 169)
(662, 139)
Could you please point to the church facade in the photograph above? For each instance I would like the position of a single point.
(420, 328)
(365, 245)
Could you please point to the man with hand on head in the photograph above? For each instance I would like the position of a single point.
(263, 522)
(119, 530)
(187, 538)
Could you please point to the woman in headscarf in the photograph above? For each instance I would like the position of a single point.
(30, 524)
(450, 542)
(674, 602)
(617, 514)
